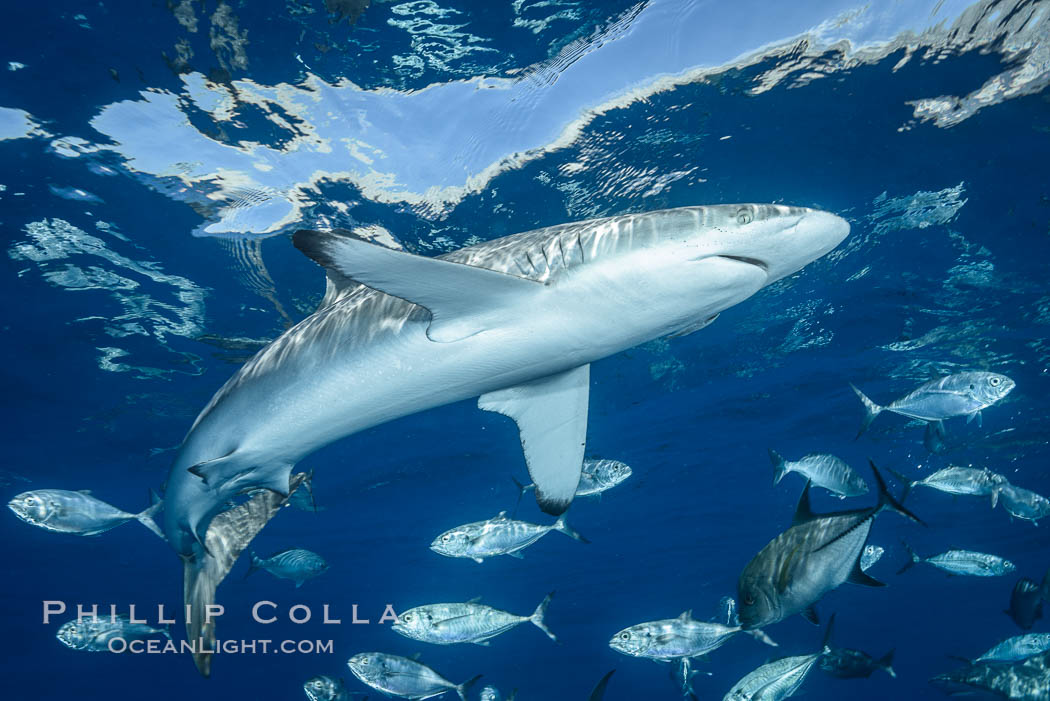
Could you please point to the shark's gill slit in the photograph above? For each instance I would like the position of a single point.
(750, 261)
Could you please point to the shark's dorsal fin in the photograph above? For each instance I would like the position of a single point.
(463, 300)
(551, 414)
(804, 511)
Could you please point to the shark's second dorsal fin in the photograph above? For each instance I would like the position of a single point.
(463, 300)
(804, 511)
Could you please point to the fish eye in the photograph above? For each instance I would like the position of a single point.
(748, 600)
(625, 636)
(445, 538)
(972, 386)
(407, 618)
(744, 217)
(995, 381)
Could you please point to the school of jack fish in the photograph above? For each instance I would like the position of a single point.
(220, 494)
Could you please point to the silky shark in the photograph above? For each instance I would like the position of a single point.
(515, 321)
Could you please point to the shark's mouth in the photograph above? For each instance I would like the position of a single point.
(750, 261)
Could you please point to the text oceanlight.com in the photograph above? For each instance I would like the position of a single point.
(227, 647)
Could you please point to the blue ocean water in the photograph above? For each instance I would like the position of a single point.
(157, 157)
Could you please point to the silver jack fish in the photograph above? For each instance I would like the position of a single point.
(826, 471)
(295, 564)
(491, 693)
(78, 513)
(1018, 681)
(779, 679)
(814, 556)
(497, 536)
(845, 663)
(596, 477)
(870, 555)
(404, 677)
(962, 394)
(1025, 504)
(1018, 648)
(962, 562)
(959, 480)
(326, 688)
(95, 634)
(470, 622)
(670, 638)
(515, 321)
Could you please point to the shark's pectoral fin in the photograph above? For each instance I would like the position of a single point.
(212, 471)
(227, 535)
(463, 300)
(695, 326)
(551, 414)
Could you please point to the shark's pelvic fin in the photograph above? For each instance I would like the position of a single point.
(551, 414)
(228, 534)
(463, 300)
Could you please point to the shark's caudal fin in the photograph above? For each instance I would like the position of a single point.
(227, 535)
(551, 414)
(462, 688)
(537, 616)
(146, 517)
(779, 466)
(871, 410)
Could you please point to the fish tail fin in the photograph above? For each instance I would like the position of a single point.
(1044, 586)
(166, 631)
(254, 565)
(462, 688)
(308, 484)
(522, 488)
(779, 465)
(537, 616)
(886, 663)
(562, 526)
(871, 410)
(888, 501)
(228, 534)
(825, 645)
(598, 693)
(146, 517)
(759, 635)
(913, 558)
(995, 497)
(903, 479)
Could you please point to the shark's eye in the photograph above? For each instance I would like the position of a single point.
(744, 217)
(994, 381)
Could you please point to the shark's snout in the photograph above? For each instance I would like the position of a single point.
(802, 240)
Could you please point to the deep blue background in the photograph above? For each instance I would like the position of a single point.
(700, 503)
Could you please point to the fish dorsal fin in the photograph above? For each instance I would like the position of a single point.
(551, 414)
(804, 511)
(84, 491)
(475, 600)
(463, 300)
(686, 616)
(502, 514)
(415, 657)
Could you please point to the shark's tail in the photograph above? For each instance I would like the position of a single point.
(537, 616)
(462, 688)
(885, 663)
(146, 517)
(779, 466)
(913, 559)
(562, 526)
(871, 410)
(228, 534)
